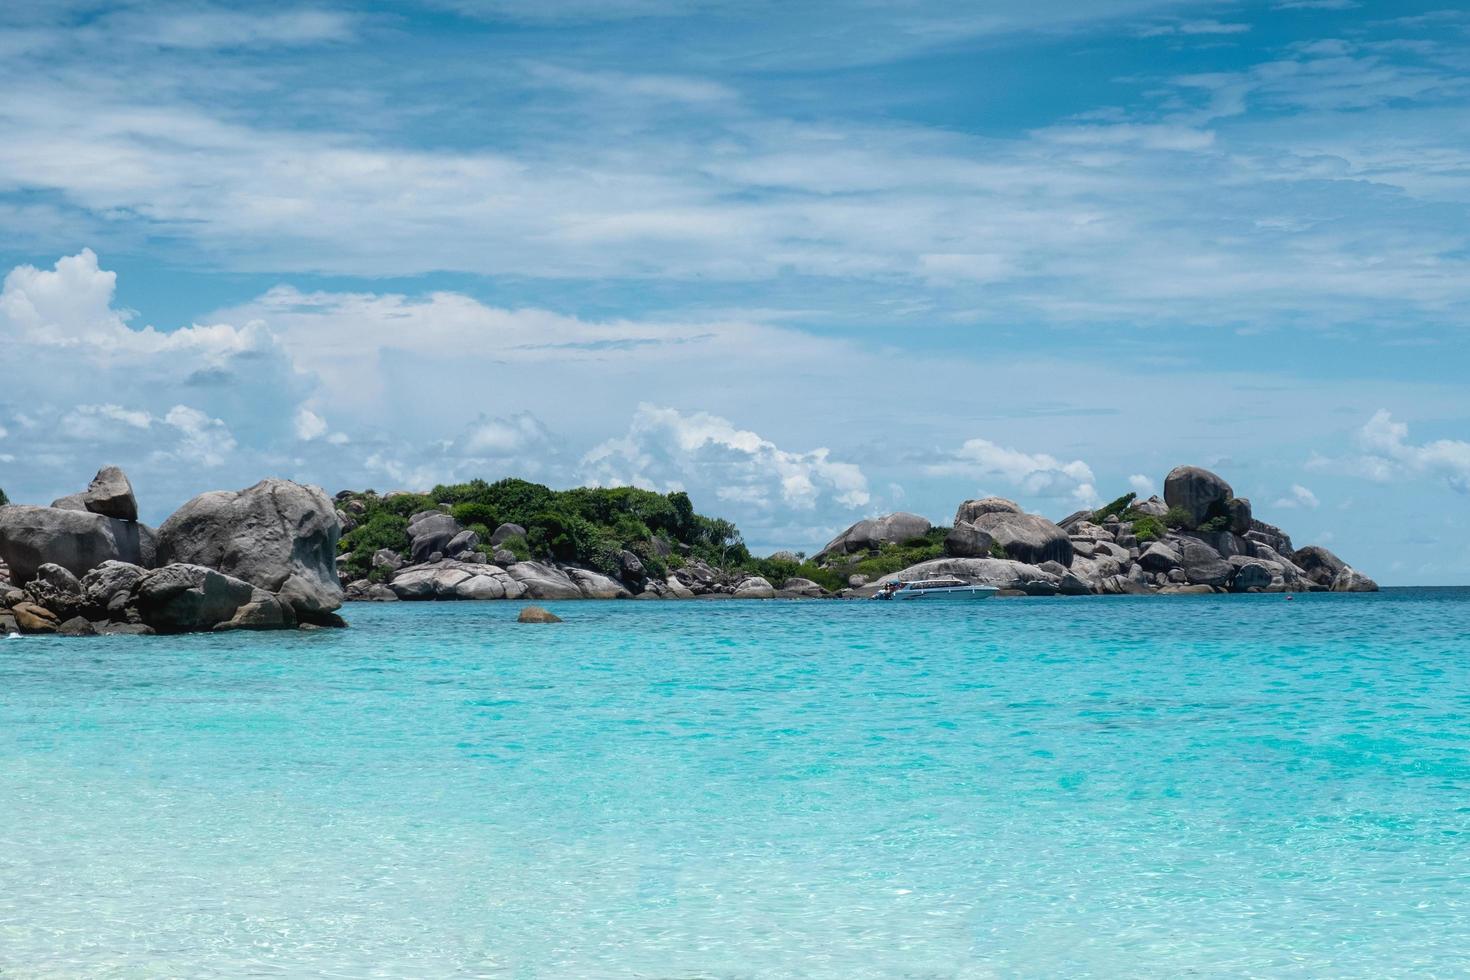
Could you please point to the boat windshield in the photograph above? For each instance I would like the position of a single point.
(937, 583)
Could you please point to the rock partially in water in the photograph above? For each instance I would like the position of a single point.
(535, 614)
(277, 535)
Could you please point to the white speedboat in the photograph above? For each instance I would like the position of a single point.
(935, 588)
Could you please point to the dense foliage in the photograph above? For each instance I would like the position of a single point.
(3, 499)
(1121, 507)
(587, 526)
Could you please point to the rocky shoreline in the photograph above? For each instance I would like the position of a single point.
(1198, 538)
(258, 559)
(266, 557)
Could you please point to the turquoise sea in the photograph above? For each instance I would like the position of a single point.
(1111, 787)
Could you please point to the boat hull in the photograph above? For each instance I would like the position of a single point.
(969, 594)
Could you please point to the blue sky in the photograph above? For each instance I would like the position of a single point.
(809, 261)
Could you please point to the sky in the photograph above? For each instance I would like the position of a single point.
(810, 261)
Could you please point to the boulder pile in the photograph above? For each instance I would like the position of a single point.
(1213, 544)
(259, 558)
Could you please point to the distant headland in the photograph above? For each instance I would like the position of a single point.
(281, 555)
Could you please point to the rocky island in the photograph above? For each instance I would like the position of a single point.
(280, 555)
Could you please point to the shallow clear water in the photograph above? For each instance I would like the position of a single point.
(1108, 787)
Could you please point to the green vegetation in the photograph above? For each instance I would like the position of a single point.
(3, 499)
(588, 525)
(1121, 507)
(996, 551)
(1178, 519)
(1147, 528)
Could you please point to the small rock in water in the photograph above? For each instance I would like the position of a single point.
(535, 614)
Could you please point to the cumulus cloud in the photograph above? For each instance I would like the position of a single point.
(665, 449)
(1142, 485)
(1385, 454)
(1298, 496)
(310, 425)
(1033, 474)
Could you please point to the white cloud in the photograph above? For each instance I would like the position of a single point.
(1317, 4)
(1142, 485)
(1385, 454)
(309, 425)
(1195, 28)
(1034, 474)
(665, 449)
(204, 440)
(1298, 496)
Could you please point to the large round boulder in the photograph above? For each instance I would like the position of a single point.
(1202, 564)
(277, 535)
(1202, 493)
(875, 532)
(1319, 565)
(968, 541)
(77, 540)
(971, 509)
(431, 532)
(1026, 538)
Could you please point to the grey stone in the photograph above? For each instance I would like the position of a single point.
(968, 541)
(543, 581)
(1001, 573)
(72, 501)
(1252, 576)
(77, 540)
(1239, 510)
(462, 542)
(875, 532)
(183, 598)
(595, 585)
(77, 626)
(1026, 538)
(754, 587)
(1202, 564)
(111, 495)
(505, 532)
(387, 558)
(803, 587)
(971, 509)
(1318, 565)
(277, 535)
(1152, 507)
(1198, 491)
(1159, 557)
(630, 568)
(432, 533)
(1352, 580)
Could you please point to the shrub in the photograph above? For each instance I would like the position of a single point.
(1119, 507)
(1178, 518)
(4, 500)
(996, 551)
(471, 513)
(1147, 528)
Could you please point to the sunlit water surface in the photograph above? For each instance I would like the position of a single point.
(1105, 787)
